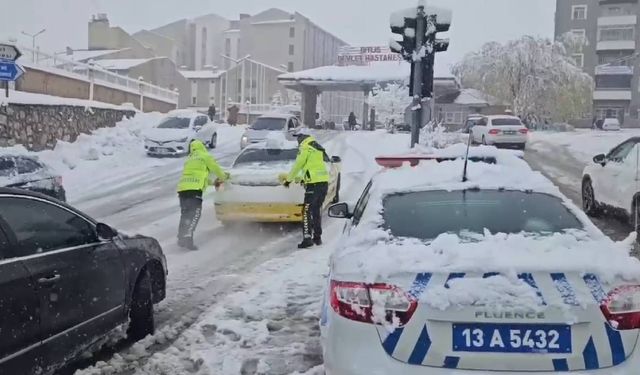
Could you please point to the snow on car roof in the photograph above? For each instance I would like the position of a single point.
(372, 253)
(276, 140)
(280, 115)
(503, 116)
(188, 113)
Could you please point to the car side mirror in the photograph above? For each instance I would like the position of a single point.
(197, 128)
(336, 159)
(340, 211)
(600, 159)
(105, 232)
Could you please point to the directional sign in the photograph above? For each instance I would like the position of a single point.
(9, 52)
(10, 71)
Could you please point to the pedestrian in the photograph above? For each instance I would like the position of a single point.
(353, 121)
(233, 115)
(193, 183)
(372, 119)
(212, 111)
(311, 164)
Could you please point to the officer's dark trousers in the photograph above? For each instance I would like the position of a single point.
(314, 197)
(190, 212)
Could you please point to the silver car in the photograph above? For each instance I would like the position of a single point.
(276, 122)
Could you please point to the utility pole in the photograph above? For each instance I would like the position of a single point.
(33, 43)
(418, 27)
(417, 69)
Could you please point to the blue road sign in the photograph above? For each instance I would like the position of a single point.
(10, 71)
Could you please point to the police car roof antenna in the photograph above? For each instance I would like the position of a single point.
(466, 161)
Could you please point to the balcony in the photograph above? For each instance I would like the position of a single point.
(622, 20)
(614, 70)
(621, 94)
(616, 45)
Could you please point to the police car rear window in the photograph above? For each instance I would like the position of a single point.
(426, 215)
(264, 156)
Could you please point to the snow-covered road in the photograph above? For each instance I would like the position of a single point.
(248, 301)
(562, 158)
(240, 303)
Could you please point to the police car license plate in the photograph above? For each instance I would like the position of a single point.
(162, 150)
(509, 132)
(512, 338)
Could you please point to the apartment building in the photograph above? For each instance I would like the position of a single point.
(247, 53)
(610, 31)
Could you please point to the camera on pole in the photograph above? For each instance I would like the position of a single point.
(419, 28)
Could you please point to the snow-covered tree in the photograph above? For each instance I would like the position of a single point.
(390, 101)
(538, 77)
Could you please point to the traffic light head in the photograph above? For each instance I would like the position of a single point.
(406, 27)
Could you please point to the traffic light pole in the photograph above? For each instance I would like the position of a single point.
(421, 29)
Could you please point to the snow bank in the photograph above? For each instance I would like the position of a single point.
(96, 158)
(582, 144)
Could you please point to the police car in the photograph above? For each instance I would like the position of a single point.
(496, 272)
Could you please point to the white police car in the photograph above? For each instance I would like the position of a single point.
(500, 273)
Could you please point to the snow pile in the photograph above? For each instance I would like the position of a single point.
(93, 158)
(496, 291)
(375, 254)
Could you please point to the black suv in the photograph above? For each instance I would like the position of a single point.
(26, 172)
(66, 281)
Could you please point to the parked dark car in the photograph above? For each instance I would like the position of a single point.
(66, 281)
(29, 173)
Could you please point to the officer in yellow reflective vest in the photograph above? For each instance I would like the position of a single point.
(193, 183)
(311, 163)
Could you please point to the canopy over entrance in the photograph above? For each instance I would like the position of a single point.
(313, 82)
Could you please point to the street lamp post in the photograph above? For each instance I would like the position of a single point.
(33, 42)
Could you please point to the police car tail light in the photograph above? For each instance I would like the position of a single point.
(372, 303)
(494, 131)
(622, 307)
(524, 131)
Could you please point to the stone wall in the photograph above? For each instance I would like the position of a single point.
(39, 127)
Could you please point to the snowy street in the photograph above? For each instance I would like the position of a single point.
(223, 284)
(562, 158)
(249, 304)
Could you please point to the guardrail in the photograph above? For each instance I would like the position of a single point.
(94, 74)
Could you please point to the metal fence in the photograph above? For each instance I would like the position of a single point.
(91, 73)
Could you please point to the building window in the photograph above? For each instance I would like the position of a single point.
(579, 59)
(291, 49)
(292, 32)
(194, 100)
(616, 33)
(453, 118)
(579, 12)
(290, 66)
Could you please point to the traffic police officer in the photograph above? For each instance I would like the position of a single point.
(311, 164)
(193, 183)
